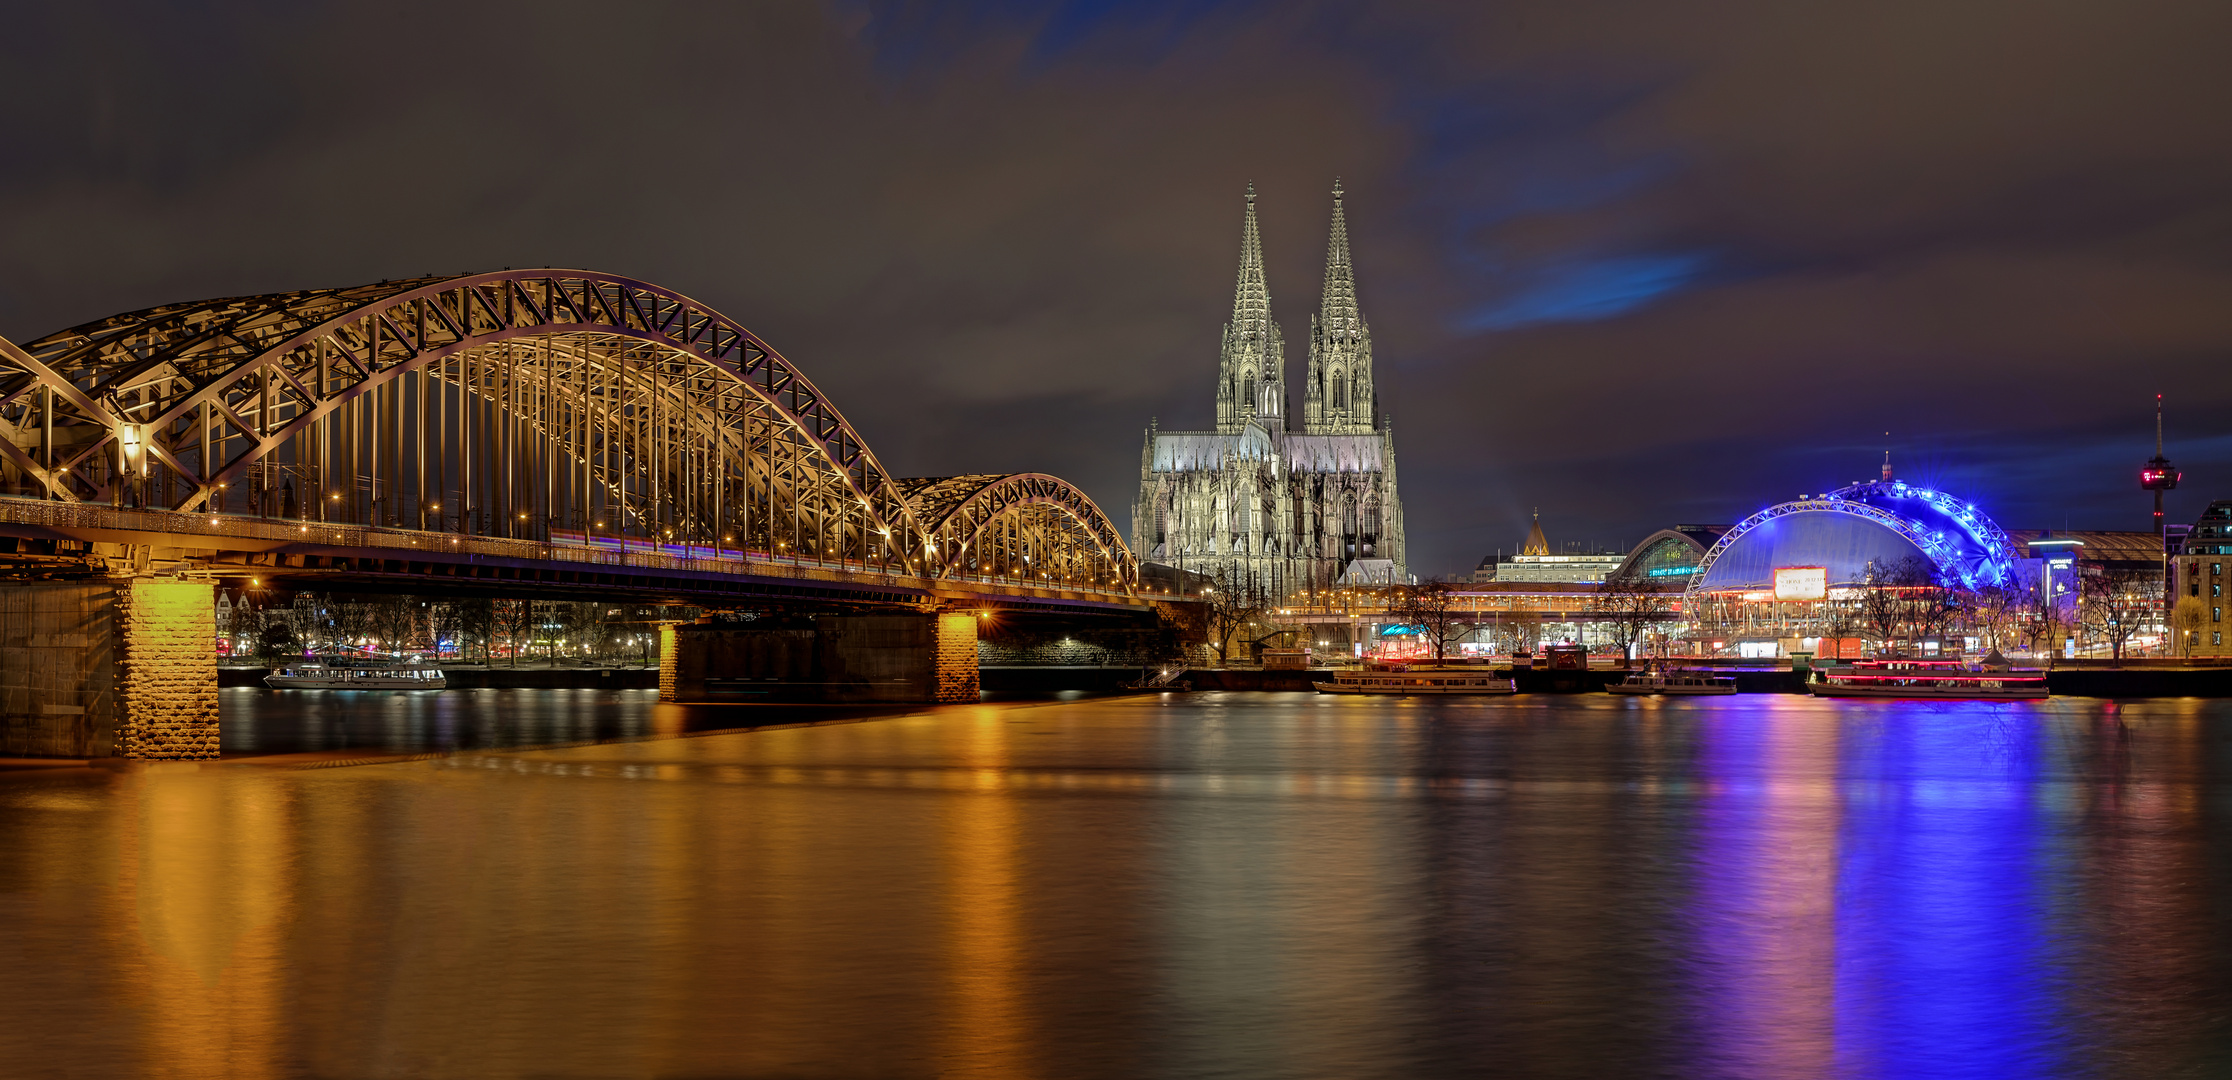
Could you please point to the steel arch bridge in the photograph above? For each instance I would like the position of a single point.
(566, 408)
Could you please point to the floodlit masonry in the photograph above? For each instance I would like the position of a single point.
(1257, 504)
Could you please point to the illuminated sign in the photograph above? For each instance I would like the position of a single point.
(1674, 571)
(1801, 582)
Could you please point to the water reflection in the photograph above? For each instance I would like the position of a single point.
(1766, 920)
(263, 721)
(1215, 885)
(197, 921)
(985, 904)
(1947, 914)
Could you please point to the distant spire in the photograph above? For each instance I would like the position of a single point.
(1338, 309)
(1537, 544)
(1251, 298)
(1886, 460)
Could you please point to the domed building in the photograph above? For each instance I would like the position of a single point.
(1836, 537)
(1669, 557)
(1793, 570)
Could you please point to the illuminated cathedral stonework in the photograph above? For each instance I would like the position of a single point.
(1255, 502)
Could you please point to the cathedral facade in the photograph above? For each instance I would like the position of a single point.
(1259, 503)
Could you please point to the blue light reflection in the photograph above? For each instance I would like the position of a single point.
(1944, 961)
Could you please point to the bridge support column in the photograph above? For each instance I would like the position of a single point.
(167, 690)
(954, 658)
(670, 659)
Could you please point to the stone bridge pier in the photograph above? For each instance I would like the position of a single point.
(108, 667)
(897, 658)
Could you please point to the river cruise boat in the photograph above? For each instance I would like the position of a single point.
(1402, 682)
(356, 673)
(1942, 679)
(1674, 683)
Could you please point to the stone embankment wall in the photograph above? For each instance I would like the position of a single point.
(835, 658)
(58, 669)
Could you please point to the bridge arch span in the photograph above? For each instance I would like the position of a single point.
(560, 405)
(1019, 525)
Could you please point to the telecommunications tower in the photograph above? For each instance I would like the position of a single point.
(2158, 475)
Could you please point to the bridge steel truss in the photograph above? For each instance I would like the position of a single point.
(561, 406)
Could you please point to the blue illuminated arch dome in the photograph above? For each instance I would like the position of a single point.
(1843, 531)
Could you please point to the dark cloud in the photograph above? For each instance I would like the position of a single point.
(1631, 263)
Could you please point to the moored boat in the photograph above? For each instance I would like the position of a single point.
(1405, 682)
(356, 673)
(1672, 683)
(1941, 679)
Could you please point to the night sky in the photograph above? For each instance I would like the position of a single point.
(1634, 264)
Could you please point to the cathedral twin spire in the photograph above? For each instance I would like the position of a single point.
(1251, 367)
(1337, 394)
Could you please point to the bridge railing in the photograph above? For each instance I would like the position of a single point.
(403, 542)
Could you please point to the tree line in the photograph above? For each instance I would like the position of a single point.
(467, 628)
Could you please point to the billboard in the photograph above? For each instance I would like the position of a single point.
(1801, 582)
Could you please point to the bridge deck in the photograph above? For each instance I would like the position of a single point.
(232, 545)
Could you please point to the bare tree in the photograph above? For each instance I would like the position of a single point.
(1431, 606)
(2049, 623)
(308, 621)
(1881, 613)
(1997, 613)
(2186, 620)
(350, 621)
(515, 623)
(1906, 601)
(394, 622)
(590, 623)
(446, 623)
(1929, 602)
(476, 622)
(2115, 605)
(1229, 605)
(1629, 604)
(274, 641)
(1518, 632)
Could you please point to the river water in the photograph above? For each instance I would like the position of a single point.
(1207, 885)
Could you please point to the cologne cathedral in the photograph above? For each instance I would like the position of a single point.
(1266, 506)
